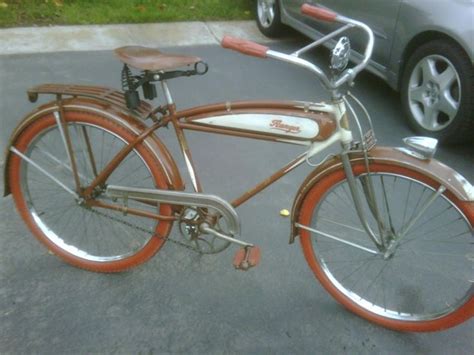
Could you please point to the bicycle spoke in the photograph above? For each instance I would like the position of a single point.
(376, 277)
(342, 225)
(430, 232)
(432, 218)
(406, 204)
(416, 216)
(58, 161)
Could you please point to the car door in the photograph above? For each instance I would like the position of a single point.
(380, 15)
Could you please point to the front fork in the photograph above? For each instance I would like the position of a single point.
(367, 185)
(381, 240)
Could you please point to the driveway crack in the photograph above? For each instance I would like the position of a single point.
(217, 39)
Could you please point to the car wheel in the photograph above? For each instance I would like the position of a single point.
(437, 92)
(268, 18)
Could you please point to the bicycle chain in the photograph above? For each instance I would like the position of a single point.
(134, 226)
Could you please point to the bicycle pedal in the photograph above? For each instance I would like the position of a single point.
(246, 258)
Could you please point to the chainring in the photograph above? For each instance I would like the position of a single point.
(189, 222)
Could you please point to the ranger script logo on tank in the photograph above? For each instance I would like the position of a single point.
(278, 124)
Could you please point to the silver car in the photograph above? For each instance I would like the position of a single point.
(423, 48)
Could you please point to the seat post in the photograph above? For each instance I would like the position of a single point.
(166, 90)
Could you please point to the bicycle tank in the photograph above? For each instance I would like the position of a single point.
(288, 122)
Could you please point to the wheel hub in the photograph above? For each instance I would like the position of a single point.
(390, 251)
(189, 221)
(432, 93)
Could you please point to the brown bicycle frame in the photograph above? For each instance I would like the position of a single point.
(181, 121)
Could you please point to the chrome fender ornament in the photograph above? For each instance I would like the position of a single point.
(423, 148)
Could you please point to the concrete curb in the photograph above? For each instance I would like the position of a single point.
(22, 40)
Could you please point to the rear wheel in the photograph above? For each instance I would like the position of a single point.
(424, 283)
(86, 236)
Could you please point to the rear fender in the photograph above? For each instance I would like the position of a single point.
(435, 170)
(99, 108)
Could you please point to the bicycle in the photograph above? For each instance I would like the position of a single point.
(95, 185)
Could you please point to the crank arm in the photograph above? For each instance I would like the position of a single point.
(205, 228)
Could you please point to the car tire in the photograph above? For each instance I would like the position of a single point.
(437, 92)
(268, 18)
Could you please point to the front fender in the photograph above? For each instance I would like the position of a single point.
(162, 154)
(434, 169)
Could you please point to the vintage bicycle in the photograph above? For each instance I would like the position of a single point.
(387, 231)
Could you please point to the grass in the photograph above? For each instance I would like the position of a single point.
(80, 12)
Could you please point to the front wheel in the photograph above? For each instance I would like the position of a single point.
(424, 281)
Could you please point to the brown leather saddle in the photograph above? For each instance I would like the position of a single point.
(145, 58)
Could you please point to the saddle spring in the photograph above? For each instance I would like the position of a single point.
(130, 84)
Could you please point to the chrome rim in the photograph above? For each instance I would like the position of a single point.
(266, 12)
(87, 233)
(430, 273)
(434, 92)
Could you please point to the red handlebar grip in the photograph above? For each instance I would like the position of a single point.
(318, 13)
(245, 47)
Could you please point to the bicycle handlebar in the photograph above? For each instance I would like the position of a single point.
(348, 75)
(244, 46)
(318, 13)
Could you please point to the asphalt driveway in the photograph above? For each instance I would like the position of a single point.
(180, 302)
